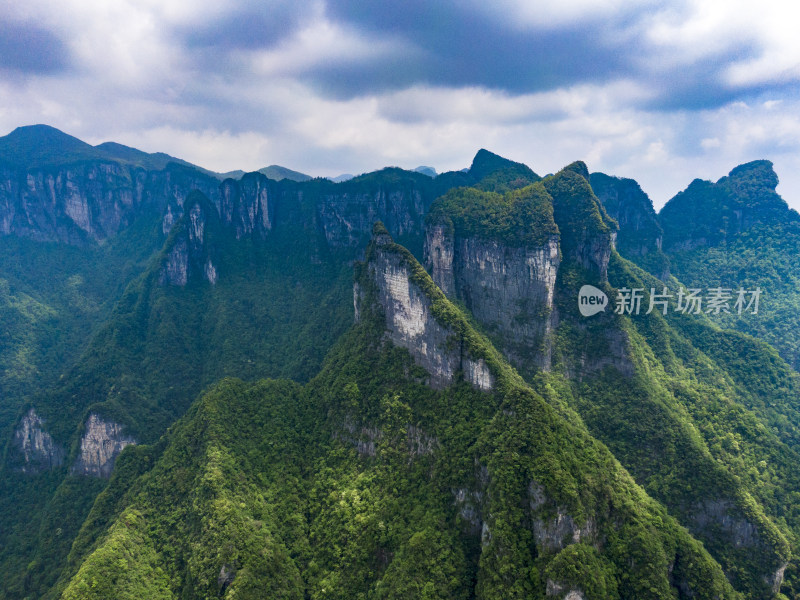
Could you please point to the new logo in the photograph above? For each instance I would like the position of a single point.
(591, 300)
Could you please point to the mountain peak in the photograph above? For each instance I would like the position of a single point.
(32, 145)
(754, 174)
(486, 162)
(278, 172)
(578, 167)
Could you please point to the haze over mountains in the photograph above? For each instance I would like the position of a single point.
(268, 385)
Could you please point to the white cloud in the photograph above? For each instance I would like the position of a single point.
(705, 28)
(133, 82)
(321, 43)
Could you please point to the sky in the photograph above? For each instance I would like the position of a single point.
(661, 92)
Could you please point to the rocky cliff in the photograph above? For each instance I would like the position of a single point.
(191, 250)
(399, 289)
(56, 188)
(640, 235)
(34, 445)
(91, 202)
(248, 205)
(508, 289)
(101, 443)
(501, 255)
(588, 233)
(346, 217)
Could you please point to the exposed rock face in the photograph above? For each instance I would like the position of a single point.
(470, 502)
(588, 234)
(176, 268)
(364, 439)
(509, 290)
(38, 449)
(616, 353)
(101, 443)
(559, 590)
(247, 205)
(346, 218)
(553, 528)
(410, 323)
(191, 253)
(725, 515)
(227, 574)
(439, 257)
(723, 519)
(92, 201)
(640, 235)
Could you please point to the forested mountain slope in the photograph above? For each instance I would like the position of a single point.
(472, 435)
(417, 464)
(249, 278)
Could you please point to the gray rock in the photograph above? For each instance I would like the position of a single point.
(410, 324)
(91, 202)
(563, 591)
(553, 528)
(101, 443)
(38, 449)
(509, 290)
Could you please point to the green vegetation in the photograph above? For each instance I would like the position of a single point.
(657, 459)
(739, 234)
(518, 218)
(365, 483)
(702, 418)
(640, 234)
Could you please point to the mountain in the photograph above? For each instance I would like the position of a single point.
(735, 234)
(738, 233)
(203, 400)
(341, 178)
(267, 261)
(39, 145)
(429, 171)
(641, 235)
(367, 481)
(657, 392)
(278, 172)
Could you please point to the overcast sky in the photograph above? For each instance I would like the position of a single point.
(662, 92)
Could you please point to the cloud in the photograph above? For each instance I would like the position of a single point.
(661, 92)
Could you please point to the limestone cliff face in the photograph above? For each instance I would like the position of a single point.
(346, 218)
(38, 450)
(91, 201)
(508, 289)
(553, 527)
(101, 443)
(190, 251)
(410, 321)
(588, 233)
(247, 205)
(723, 520)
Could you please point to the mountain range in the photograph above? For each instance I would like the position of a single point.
(263, 385)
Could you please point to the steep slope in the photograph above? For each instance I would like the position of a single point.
(254, 283)
(369, 483)
(77, 224)
(650, 386)
(737, 234)
(640, 234)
